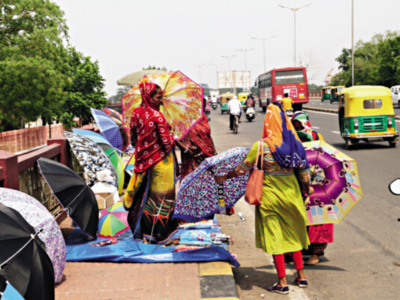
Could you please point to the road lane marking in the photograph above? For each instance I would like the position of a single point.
(336, 132)
(315, 127)
(296, 293)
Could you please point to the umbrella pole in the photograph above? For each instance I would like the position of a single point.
(33, 236)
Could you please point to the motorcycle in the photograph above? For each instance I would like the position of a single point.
(289, 113)
(250, 113)
(214, 105)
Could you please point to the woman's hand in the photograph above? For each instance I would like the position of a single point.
(310, 190)
(219, 179)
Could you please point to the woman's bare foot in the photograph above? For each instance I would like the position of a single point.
(313, 260)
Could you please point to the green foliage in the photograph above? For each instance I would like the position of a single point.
(376, 62)
(154, 68)
(86, 88)
(313, 87)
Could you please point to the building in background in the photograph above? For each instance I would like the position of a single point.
(234, 81)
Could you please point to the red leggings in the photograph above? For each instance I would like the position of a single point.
(279, 261)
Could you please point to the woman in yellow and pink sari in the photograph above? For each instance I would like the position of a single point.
(150, 196)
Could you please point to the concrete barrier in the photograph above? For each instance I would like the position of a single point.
(329, 110)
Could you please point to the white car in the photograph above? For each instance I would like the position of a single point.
(395, 94)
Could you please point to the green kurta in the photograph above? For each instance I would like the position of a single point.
(281, 217)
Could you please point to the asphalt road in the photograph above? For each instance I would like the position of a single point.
(334, 105)
(364, 260)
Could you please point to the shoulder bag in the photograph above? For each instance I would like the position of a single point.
(255, 183)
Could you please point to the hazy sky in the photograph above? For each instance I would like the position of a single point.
(126, 35)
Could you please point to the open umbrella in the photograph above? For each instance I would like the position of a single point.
(182, 103)
(112, 154)
(117, 118)
(133, 78)
(23, 257)
(7, 291)
(92, 159)
(199, 195)
(334, 177)
(40, 219)
(108, 128)
(73, 194)
(113, 221)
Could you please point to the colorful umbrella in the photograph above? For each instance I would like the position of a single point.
(113, 221)
(108, 128)
(334, 177)
(74, 195)
(92, 159)
(110, 151)
(39, 218)
(7, 291)
(200, 196)
(23, 257)
(182, 101)
(130, 164)
(113, 114)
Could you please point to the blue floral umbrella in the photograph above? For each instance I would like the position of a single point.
(200, 196)
(108, 128)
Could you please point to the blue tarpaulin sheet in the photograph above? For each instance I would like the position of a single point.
(130, 250)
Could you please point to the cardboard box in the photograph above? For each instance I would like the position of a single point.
(104, 200)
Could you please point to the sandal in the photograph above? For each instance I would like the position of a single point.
(276, 288)
(312, 262)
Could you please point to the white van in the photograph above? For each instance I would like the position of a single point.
(395, 94)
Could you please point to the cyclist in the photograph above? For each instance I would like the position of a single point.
(235, 109)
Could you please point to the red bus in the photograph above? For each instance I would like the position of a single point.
(274, 84)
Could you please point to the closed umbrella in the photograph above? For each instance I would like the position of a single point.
(23, 257)
(73, 194)
(40, 219)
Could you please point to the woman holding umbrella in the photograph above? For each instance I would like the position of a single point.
(320, 235)
(281, 217)
(150, 196)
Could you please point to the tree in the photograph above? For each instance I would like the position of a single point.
(85, 90)
(312, 66)
(154, 68)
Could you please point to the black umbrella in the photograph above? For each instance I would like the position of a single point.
(23, 257)
(73, 194)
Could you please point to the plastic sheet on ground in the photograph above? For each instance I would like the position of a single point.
(130, 250)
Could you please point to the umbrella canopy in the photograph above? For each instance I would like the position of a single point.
(7, 291)
(113, 221)
(110, 151)
(117, 118)
(133, 78)
(39, 218)
(182, 104)
(130, 164)
(23, 257)
(336, 183)
(108, 128)
(198, 196)
(73, 194)
(92, 158)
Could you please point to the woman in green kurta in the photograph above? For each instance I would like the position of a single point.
(281, 217)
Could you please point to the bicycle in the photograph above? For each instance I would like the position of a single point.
(236, 125)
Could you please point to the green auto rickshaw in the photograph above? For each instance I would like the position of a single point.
(326, 93)
(335, 92)
(224, 101)
(366, 114)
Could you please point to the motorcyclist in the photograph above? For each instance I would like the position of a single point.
(249, 102)
(214, 99)
(287, 102)
(235, 109)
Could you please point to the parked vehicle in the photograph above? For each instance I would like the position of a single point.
(224, 101)
(395, 90)
(335, 92)
(366, 113)
(250, 113)
(275, 83)
(326, 93)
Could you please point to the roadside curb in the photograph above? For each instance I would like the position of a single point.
(217, 281)
(328, 110)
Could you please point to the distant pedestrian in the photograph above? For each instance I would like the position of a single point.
(281, 217)
(207, 107)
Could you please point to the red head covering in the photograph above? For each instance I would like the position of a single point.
(150, 130)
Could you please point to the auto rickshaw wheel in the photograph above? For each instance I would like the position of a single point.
(347, 144)
(264, 108)
(354, 141)
(392, 144)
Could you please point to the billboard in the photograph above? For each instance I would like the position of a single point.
(234, 79)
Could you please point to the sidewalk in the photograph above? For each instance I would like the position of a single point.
(170, 281)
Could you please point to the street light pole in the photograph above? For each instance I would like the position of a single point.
(352, 42)
(216, 67)
(294, 11)
(199, 66)
(264, 39)
(229, 61)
